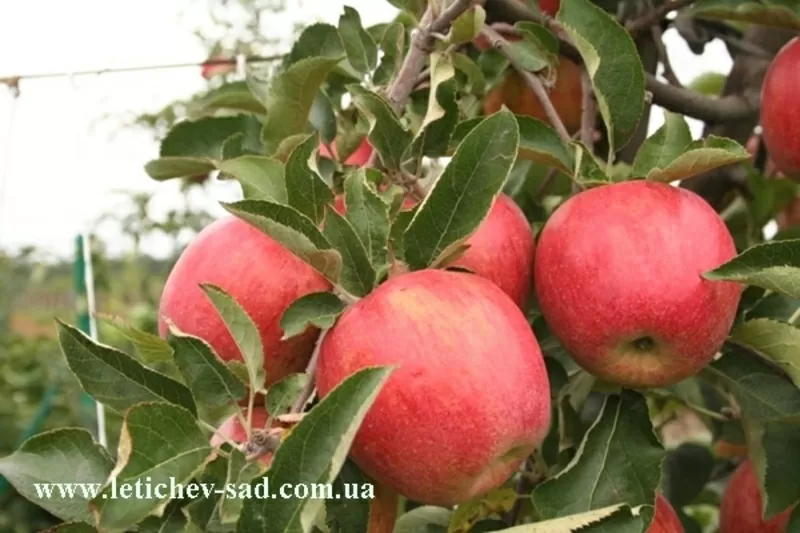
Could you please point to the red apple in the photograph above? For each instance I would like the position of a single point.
(460, 412)
(550, 7)
(217, 65)
(665, 519)
(780, 109)
(233, 430)
(566, 96)
(358, 158)
(618, 278)
(501, 249)
(260, 274)
(741, 509)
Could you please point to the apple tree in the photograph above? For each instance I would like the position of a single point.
(466, 277)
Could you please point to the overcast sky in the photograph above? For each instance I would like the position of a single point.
(61, 160)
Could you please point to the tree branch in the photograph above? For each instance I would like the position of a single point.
(746, 77)
(663, 56)
(670, 97)
(421, 46)
(714, 110)
(531, 80)
(654, 17)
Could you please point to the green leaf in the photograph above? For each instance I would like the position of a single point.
(68, 456)
(399, 226)
(411, 7)
(772, 447)
(774, 340)
(348, 515)
(244, 332)
(441, 117)
(240, 472)
(613, 64)
(172, 521)
(233, 147)
(318, 39)
(774, 266)
(319, 309)
(687, 470)
(210, 381)
(293, 230)
(496, 502)
(368, 214)
(770, 406)
(261, 178)
(151, 348)
(161, 442)
(465, 192)
(203, 512)
(588, 170)
(476, 80)
(393, 45)
(291, 96)
(320, 443)
(618, 461)
(386, 134)
(204, 138)
(72, 527)
(780, 14)
(282, 395)
(323, 117)
(358, 276)
(424, 519)
(761, 393)
(776, 306)
(696, 158)
(541, 36)
(362, 52)
(538, 142)
(538, 48)
(114, 378)
(664, 146)
(307, 192)
(166, 168)
(467, 26)
(576, 522)
(236, 96)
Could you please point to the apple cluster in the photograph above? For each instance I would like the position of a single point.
(617, 274)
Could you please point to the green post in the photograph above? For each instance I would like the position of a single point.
(87, 406)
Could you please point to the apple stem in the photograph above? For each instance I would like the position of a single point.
(531, 79)
(348, 298)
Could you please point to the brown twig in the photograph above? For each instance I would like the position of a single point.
(715, 110)
(655, 15)
(690, 103)
(311, 371)
(533, 81)
(663, 56)
(421, 46)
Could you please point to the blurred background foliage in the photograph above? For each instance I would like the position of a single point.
(37, 390)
